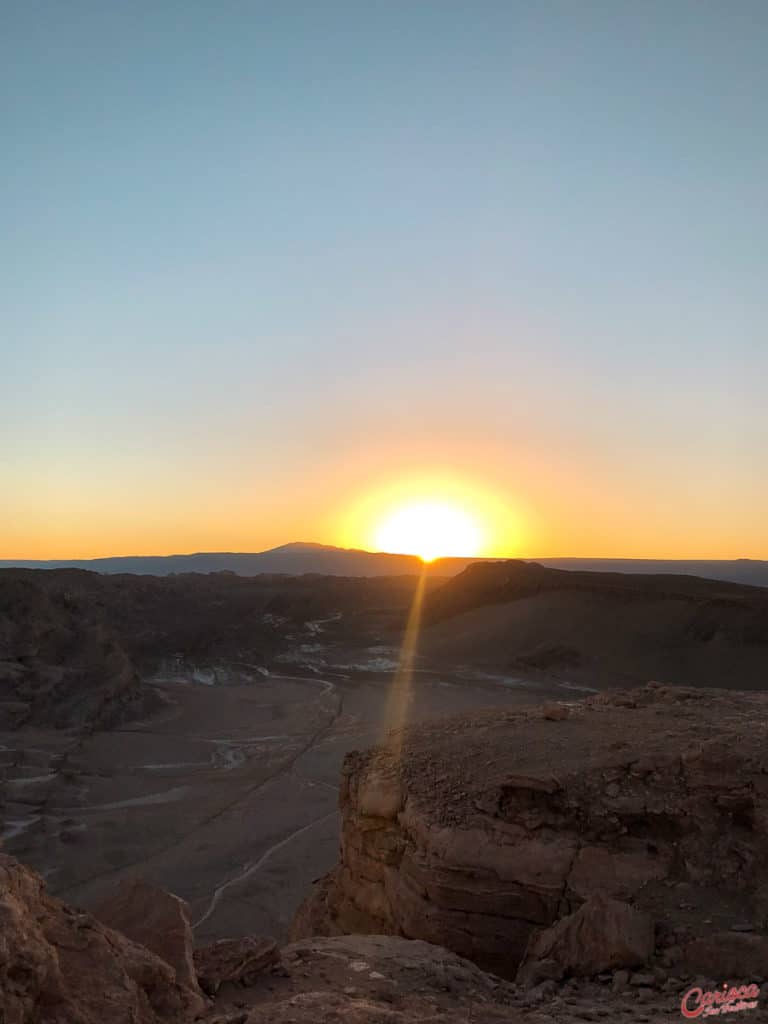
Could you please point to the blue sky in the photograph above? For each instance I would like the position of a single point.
(258, 258)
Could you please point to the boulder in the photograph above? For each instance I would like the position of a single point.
(554, 712)
(602, 935)
(156, 919)
(233, 960)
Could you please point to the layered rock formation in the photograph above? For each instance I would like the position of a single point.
(61, 966)
(480, 833)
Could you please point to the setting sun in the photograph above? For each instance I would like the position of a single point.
(429, 529)
(431, 513)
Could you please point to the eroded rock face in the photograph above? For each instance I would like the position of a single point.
(58, 665)
(492, 827)
(61, 966)
(158, 920)
(58, 964)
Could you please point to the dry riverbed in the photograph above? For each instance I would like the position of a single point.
(227, 797)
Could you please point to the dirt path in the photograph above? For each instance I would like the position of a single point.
(251, 869)
(286, 766)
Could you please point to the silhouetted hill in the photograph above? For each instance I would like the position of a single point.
(599, 628)
(292, 559)
(751, 571)
(299, 558)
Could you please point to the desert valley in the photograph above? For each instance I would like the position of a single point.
(214, 735)
(383, 504)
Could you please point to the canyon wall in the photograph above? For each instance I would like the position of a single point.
(479, 833)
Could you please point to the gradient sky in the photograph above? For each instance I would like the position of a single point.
(262, 264)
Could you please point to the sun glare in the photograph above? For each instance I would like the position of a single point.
(429, 529)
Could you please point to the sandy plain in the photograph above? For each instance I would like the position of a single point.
(228, 797)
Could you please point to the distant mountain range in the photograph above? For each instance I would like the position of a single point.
(301, 558)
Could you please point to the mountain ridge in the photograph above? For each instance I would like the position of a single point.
(307, 557)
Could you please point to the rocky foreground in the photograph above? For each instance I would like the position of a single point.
(629, 830)
(59, 965)
(606, 860)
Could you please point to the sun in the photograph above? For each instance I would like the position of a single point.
(429, 529)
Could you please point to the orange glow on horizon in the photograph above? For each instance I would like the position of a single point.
(522, 505)
(432, 517)
(429, 529)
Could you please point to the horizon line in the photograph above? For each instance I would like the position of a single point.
(391, 554)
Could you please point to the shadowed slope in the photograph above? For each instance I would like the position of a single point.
(600, 628)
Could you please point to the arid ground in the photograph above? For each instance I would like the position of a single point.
(190, 730)
(227, 797)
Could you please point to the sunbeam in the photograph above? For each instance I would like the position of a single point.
(400, 692)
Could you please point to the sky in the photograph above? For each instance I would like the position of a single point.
(269, 269)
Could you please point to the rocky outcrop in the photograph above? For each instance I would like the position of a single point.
(187, 620)
(488, 829)
(602, 935)
(375, 979)
(58, 665)
(233, 961)
(158, 920)
(59, 965)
